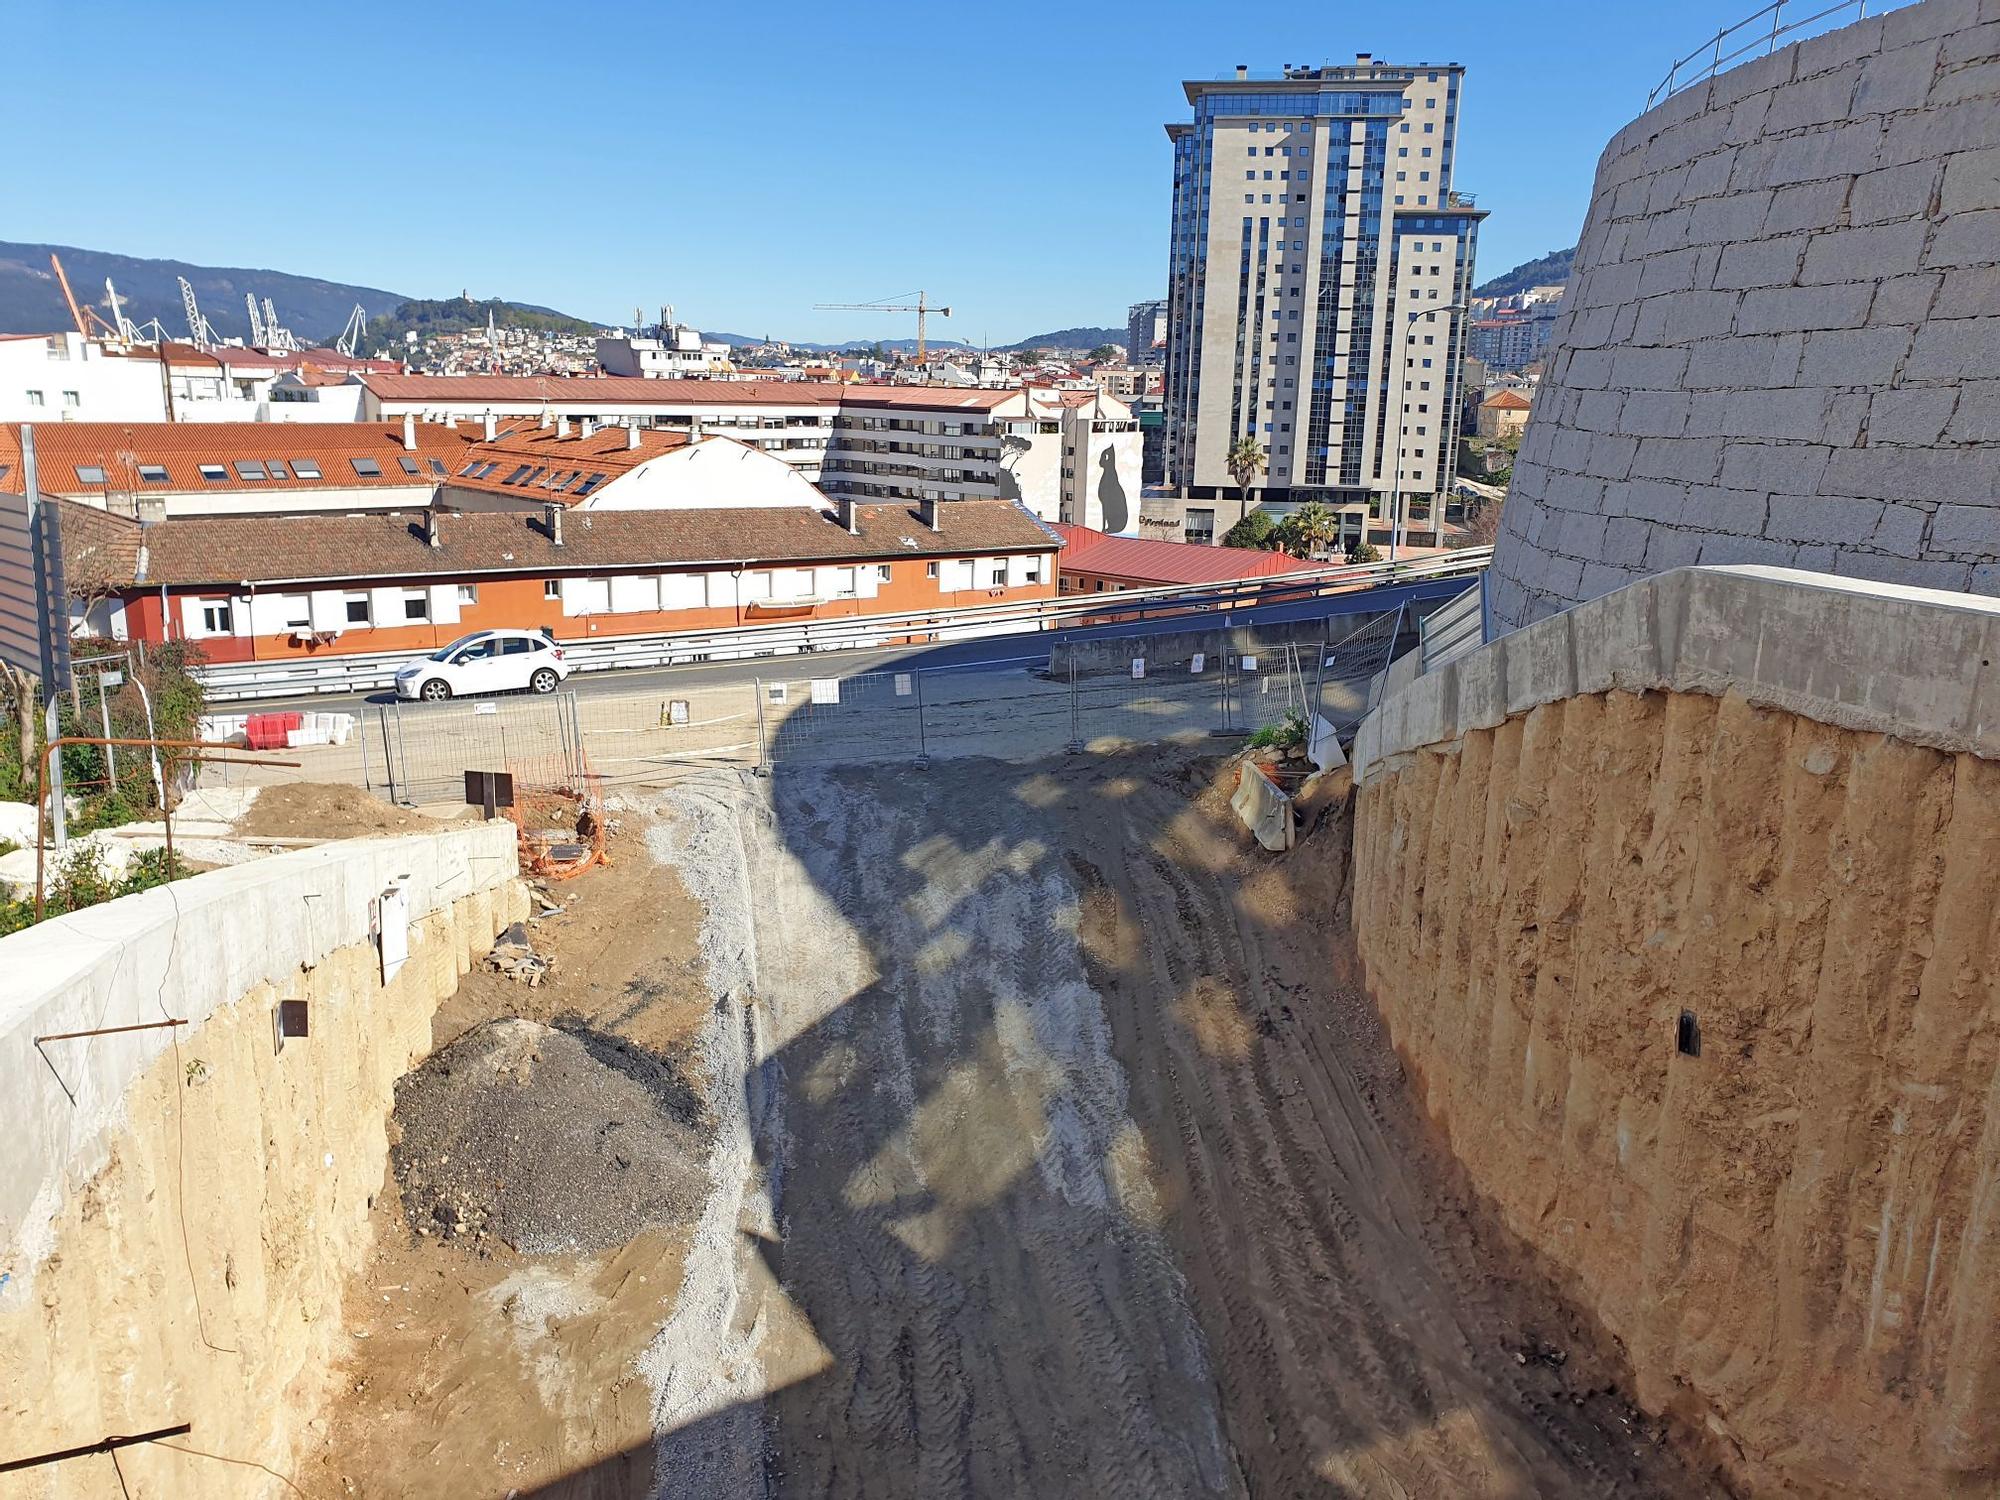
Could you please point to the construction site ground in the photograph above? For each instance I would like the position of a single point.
(1052, 1148)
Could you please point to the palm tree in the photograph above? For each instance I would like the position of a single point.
(1245, 461)
(1317, 527)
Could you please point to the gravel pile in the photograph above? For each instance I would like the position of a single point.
(549, 1139)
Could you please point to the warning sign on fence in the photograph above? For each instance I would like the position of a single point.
(1138, 666)
(902, 684)
(1200, 661)
(674, 711)
(826, 690)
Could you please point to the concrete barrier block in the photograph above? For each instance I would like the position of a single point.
(1540, 665)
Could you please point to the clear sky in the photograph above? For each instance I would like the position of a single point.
(744, 161)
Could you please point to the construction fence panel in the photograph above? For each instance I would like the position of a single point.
(417, 752)
(1346, 667)
(652, 735)
(869, 716)
(1181, 689)
(1016, 710)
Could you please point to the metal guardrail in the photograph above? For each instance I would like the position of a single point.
(302, 677)
(1756, 34)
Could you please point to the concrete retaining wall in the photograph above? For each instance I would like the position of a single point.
(179, 1209)
(1769, 802)
(1781, 342)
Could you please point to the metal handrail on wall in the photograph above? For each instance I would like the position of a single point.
(1758, 33)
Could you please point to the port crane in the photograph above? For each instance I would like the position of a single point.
(920, 307)
(87, 321)
(349, 342)
(199, 329)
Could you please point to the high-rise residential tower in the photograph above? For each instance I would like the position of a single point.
(1313, 215)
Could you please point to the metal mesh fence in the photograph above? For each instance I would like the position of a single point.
(419, 752)
(868, 716)
(1346, 667)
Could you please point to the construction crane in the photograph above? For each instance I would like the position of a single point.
(920, 307)
(126, 330)
(83, 317)
(198, 326)
(277, 338)
(349, 341)
(257, 335)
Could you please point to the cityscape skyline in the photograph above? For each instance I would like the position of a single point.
(813, 211)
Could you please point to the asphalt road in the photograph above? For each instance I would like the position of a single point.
(997, 653)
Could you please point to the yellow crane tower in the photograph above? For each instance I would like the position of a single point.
(920, 307)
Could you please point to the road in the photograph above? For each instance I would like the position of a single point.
(998, 651)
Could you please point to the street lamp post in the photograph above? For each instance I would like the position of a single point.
(1402, 390)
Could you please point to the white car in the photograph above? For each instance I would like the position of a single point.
(487, 661)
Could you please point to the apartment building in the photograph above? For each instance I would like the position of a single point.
(1066, 455)
(1145, 331)
(1314, 225)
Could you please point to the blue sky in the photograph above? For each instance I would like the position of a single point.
(746, 161)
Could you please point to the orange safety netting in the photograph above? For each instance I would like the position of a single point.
(560, 827)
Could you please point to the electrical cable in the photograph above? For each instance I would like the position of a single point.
(244, 1463)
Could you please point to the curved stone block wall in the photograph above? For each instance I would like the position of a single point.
(1782, 335)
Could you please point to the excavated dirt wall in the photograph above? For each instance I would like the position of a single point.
(197, 1275)
(1796, 1233)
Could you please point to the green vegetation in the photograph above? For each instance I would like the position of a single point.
(1289, 733)
(1245, 461)
(102, 799)
(1309, 529)
(1254, 530)
(1107, 354)
(1363, 552)
(427, 318)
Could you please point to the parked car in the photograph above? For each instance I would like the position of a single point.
(487, 661)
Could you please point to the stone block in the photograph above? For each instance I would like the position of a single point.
(1972, 180)
(1839, 151)
(1663, 194)
(1599, 411)
(1846, 417)
(1789, 309)
(1760, 550)
(1977, 417)
(1672, 271)
(1761, 263)
(1692, 460)
(1610, 456)
(1970, 239)
(1955, 349)
(1805, 205)
(1600, 578)
(1853, 356)
(1833, 49)
(1573, 492)
(1892, 193)
(1794, 467)
(1684, 317)
(1746, 119)
(1730, 219)
(1655, 413)
(1966, 528)
(1589, 370)
(1916, 415)
(1648, 369)
(1788, 412)
(1671, 549)
(1921, 573)
(1947, 475)
(1985, 578)
(1657, 500)
(1717, 511)
(1580, 535)
(1973, 83)
(1933, 18)
(1928, 134)
(1625, 540)
(1813, 101)
(1757, 76)
(1629, 200)
(1867, 254)
(1975, 44)
(1898, 80)
(1905, 299)
(1708, 175)
(1815, 558)
(1833, 519)
(1900, 530)
(1969, 292)
(1743, 362)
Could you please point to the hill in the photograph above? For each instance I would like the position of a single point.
(1551, 270)
(429, 317)
(31, 302)
(1071, 338)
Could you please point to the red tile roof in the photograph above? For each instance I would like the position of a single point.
(637, 390)
(1143, 560)
(553, 460)
(1508, 401)
(119, 448)
(220, 551)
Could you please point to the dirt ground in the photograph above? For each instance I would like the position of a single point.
(476, 1371)
(1058, 1153)
(315, 810)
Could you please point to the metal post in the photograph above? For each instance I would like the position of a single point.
(923, 741)
(388, 753)
(361, 723)
(104, 717)
(763, 747)
(1075, 722)
(1228, 667)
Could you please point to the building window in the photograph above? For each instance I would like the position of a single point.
(409, 464)
(305, 468)
(416, 604)
(276, 466)
(885, 572)
(930, 570)
(551, 588)
(214, 473)
(367, 468)
(249, 468)
(152, 473)
(215, 617)
(34, 398)
(468, 593)
(89, 474)
(357, 608)
(71, 398)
